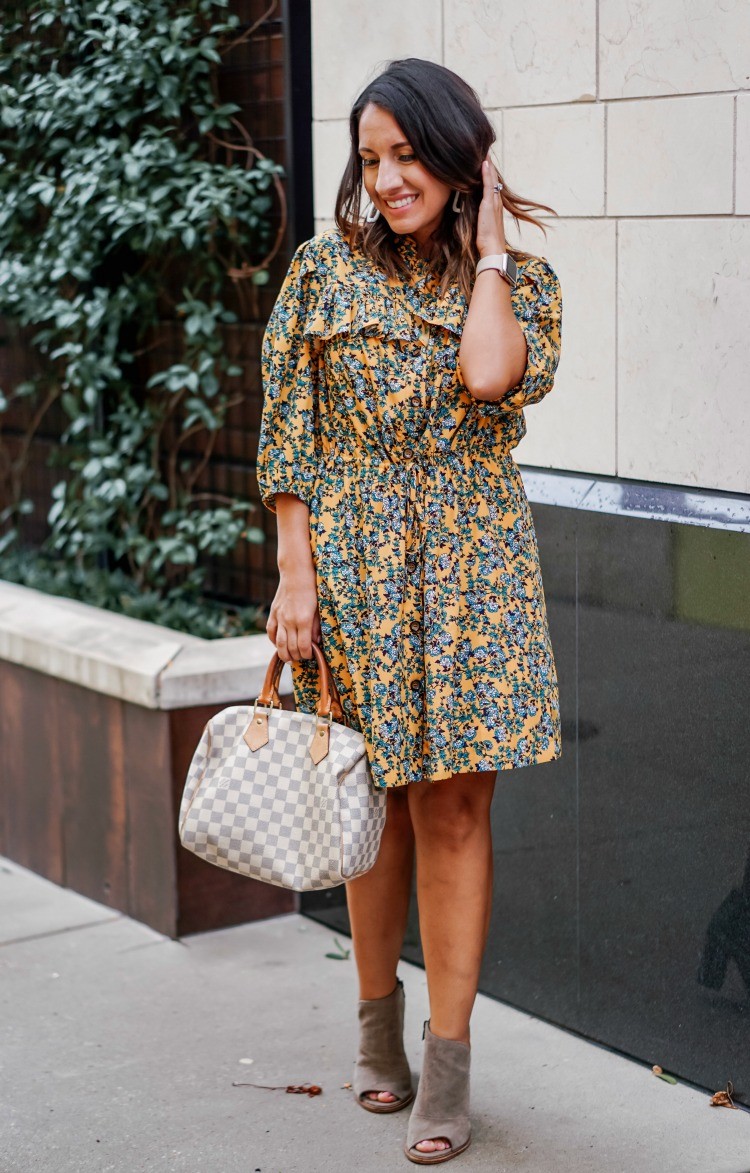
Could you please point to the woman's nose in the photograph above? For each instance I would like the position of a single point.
(389, 178)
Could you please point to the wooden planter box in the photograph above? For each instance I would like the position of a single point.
(99, 718)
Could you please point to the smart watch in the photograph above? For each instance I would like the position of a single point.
(504, 264)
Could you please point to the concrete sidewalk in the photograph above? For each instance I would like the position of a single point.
(119, 1048)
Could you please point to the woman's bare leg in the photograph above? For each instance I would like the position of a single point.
(378, 904)
(453, 838)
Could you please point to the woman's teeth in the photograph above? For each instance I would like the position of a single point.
(401, 203)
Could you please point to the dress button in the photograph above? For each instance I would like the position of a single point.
(408, 452)
(415, 625)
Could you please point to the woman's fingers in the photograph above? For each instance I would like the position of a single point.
(492, 179)
(294, 621)
(304, 644)
(494, 204)
(490, 232)
(292, 643)
(486, 180)
(485, 207)
(282, 644)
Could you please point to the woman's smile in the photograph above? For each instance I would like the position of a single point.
(401, 204)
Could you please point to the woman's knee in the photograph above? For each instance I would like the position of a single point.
(452, 809)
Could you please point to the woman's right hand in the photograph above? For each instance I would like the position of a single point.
(294, 619)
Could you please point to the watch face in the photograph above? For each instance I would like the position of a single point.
(511, 268)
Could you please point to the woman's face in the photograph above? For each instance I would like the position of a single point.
(392, 175)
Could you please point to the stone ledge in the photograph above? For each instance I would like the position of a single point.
(143, 663)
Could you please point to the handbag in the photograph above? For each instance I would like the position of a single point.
(285, 797)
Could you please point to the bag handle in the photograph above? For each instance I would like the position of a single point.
(329, 700)
(329, 707)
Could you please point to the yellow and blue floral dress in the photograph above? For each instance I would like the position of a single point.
(432, 610)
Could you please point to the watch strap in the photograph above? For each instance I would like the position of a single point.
(505, 265)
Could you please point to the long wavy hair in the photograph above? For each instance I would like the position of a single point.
(450, 134)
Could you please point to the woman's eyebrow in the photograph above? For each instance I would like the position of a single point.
(393, 147)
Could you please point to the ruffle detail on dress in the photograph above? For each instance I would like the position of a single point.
(373, 309)
(356, 307)
(448, 311)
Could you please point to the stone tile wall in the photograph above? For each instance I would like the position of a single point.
(633, 122)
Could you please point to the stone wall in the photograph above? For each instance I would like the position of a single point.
(632, 122)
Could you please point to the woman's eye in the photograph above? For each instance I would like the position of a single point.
(373, 162)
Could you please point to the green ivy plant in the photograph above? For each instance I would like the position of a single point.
(114, 193)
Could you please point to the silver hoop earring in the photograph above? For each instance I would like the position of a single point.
(369, 218)
(456, 207)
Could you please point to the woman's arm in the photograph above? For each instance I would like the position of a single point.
(493, 350)
(294, 618)
(293, 551)
(287, 458)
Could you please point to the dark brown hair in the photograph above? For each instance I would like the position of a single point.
(450, 134)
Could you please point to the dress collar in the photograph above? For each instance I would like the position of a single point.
(448, 310)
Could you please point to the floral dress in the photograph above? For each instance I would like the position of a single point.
(432, 612)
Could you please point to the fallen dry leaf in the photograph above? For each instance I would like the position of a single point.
(724, 1099)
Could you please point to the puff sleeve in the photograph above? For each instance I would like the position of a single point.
(537, 304)
(288, 446)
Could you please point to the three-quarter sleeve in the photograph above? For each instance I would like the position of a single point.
(288, 446)
(537, 304)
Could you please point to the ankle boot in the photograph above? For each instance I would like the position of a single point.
(441, 1109)
(381, 1064)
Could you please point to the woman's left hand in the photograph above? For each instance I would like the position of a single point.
(490, 228)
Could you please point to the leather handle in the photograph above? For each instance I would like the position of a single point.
(329, 700)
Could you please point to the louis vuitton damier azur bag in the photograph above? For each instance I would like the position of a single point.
(285, 797)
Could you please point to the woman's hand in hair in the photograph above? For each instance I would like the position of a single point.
(490, 227)
(493, 352)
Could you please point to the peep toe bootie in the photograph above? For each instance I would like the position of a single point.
(441, 1109)
(381, 1064)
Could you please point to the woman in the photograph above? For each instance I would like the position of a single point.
(395, 381)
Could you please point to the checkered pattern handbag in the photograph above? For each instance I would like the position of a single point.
(282, 796)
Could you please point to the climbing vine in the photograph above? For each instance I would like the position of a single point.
(135, 215)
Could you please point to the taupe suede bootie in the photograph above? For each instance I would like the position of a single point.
(441, 1108)
(381, 1064)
